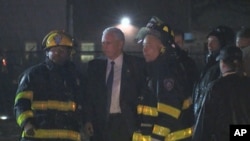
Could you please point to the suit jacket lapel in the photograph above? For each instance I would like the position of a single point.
(124, 75)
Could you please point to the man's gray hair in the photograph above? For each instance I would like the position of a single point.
(116, 31)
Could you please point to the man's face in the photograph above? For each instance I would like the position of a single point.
(242, 42)
(213, 44)
(111, 45)
(59, 55)
(179, 41)
(151, 48)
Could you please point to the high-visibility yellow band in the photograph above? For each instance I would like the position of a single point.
(186, 104)
(160, 130)
(54, 105)
(150, 111)
(165, 28)
(139, 137)
(55, 134)
(167, 109)
(24, 94)
(178, 135)
(23, 116)
(139, 109)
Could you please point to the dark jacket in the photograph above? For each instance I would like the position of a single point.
(132, 79)
(210, 73)
(226, 103)
(49, 97)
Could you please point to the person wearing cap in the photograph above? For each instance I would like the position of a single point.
(162, 104)
(48, 102)
(227, 99)
(243, 42)
(218, 38)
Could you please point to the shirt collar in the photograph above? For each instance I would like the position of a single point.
(118, 60)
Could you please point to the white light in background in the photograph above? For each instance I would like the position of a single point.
(3, 117)
(125, 21)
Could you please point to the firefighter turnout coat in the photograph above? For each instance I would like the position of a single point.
(49, 97)
(163, 103)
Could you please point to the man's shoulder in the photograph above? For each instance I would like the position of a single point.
(35, 68)
(97, 62)
(133, 58)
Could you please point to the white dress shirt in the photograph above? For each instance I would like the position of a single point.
(115, 97)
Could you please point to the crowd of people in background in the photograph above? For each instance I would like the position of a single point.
(161, 96)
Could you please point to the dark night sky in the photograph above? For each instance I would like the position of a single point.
(23, 20)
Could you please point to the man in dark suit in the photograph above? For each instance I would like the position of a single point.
(111, 112)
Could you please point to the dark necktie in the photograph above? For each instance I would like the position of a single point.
(110, 83)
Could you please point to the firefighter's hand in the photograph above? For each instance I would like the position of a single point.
(29, 129)
(88, 128)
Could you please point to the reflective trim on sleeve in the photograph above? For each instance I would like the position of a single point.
(139, 137)
(24, 94)
(167, 109)
(23, 116)
(151, 111)
(55, 134)
(186, 104)
(179, 135)
(54, 105)
(139, 109)
(160, 130)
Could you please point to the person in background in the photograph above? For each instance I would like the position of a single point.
(162, 104)
(187, 61)
(190, 67)
(48, 104)
(111, 111)
(227, 99)
(218, 38)
(243, 42)
(179, 39)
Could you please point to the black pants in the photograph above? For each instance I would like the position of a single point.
(116, 129)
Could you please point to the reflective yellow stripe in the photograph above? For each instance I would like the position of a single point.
(24, 94)
(178, 135)
(55, 134)
(139, 109)
(55, 105)
(140, 137)
(165, 28)
(151, 111)
(160, 130)
(167, 109)
(23, 116)
(172, 33)
(186, 104)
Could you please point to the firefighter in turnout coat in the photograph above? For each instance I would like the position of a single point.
(48, 98)
(162, 104)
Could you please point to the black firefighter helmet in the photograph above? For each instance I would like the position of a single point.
(159, 29)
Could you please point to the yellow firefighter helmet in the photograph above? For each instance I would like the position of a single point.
(57, 38)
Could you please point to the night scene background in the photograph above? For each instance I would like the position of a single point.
(24, 23)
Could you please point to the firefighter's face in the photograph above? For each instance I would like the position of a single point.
(151, 48)
(111, 45)
(59, 55)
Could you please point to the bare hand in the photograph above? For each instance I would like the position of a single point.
(29, 129)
